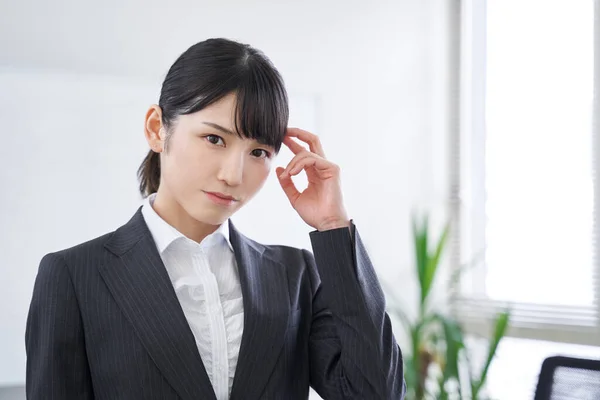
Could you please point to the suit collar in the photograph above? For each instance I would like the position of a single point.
(128, 235)
(265, 290)
(139, 282)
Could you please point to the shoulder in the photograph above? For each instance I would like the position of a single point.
(287, 254)
(298, 262)
(69, 260)
(86, 250)
(55, 272)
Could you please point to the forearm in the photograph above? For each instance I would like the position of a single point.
(369, 357)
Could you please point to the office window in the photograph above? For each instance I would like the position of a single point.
(527, 161)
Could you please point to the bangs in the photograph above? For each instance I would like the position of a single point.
(261, 110)
(211, 70)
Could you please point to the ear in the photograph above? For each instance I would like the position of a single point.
(154, 130)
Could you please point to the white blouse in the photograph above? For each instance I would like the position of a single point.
(206, 280)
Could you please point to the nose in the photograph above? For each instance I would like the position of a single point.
(232, 169)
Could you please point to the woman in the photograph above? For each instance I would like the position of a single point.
(176, 303)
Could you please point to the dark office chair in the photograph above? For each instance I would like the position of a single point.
(566, 378)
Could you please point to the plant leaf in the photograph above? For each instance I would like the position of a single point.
(410, 376)
(433, 262)
(501, 325)
(454, 344)
(420, 243)
(443, 394)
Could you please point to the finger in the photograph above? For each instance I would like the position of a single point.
(319, 164)
(295, 147)
(287, 185)
(297, 159)
(313, 140)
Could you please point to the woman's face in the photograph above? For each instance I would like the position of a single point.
(207, 168)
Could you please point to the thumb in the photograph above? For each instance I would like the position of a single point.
(287, 185)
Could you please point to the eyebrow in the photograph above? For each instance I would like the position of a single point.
(218, 127)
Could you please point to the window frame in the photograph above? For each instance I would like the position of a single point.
(569, 324)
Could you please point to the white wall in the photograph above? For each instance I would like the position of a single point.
(76, 77)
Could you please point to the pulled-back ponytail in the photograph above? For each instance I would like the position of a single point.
(149, 174)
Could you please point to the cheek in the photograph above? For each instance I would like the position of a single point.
(186, 162)
(256, 175)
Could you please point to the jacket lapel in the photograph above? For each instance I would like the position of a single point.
(266, 309)
(141, 286)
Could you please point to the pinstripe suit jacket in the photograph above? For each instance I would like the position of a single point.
(105, 323)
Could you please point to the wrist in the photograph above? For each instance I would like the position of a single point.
(334, 224)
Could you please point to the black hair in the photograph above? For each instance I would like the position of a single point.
(205, 73)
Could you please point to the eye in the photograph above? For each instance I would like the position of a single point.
(260, 153)
(216, 140)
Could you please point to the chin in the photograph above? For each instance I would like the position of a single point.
(208, 215)
(210, 218)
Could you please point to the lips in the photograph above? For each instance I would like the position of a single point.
(222, 196)
(221, 199)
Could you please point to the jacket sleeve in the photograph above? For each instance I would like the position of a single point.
(353, 353)
(57, 366)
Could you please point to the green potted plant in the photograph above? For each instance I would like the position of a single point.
(437, 360)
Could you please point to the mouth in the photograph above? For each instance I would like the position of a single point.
(221, 198)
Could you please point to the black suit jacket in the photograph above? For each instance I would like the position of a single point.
(105, 323)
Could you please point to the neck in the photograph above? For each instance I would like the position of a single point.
(173, 214)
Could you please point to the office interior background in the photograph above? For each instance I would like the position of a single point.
(483, 113)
